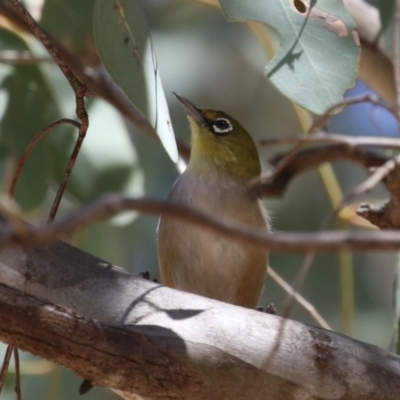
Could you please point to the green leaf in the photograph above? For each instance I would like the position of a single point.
(318, 54)
(123, 42)
(107, 161)
(28, 108)
(70, 21)
(386, 12)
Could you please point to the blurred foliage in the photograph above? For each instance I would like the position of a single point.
(217, 64)
(386, 12)
(123, 41)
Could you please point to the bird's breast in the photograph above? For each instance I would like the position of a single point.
(201, 261)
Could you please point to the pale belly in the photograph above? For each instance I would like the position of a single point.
(200, 261)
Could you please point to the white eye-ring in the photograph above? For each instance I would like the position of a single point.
(222, 125)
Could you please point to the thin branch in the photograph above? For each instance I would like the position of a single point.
(283, 162)
(17, 375)
(377, 176)
(387, 215)
(80, 90)
(311, 158)
(298, 283)
(99, 84)
(325, 137)
(83, 116)
(32, 145)
(110, 205)
(5, 365)
(321, 121)
(299, 298)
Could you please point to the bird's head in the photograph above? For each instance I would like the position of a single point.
(220, 144)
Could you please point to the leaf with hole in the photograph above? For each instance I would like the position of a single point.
(318, 51)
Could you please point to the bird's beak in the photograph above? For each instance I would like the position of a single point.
(192, 110)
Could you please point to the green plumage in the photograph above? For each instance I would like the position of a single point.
(223, 159)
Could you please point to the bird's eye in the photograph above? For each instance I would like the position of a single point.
(221, 126)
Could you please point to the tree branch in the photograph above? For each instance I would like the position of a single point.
(140, 337)
(311, 158)
(387, 215)
(329, 138)
(17, 232)
(80, 91)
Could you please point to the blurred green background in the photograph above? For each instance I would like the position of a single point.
(218, 65)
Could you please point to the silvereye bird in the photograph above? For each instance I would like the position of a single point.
(193, 259)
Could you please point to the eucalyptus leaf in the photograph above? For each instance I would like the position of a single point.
(386, 13)
(318, 52)
(124, 44)
(107, 161)
(70, 21)
(28, 108)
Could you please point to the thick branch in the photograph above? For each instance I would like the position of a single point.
(140, 337)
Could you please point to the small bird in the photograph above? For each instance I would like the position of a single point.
(223, 160)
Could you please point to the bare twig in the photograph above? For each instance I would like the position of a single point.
(83, 116)
(311, 158)
(377, 176)
(80, 90)
(325, 137)
(298, 283)
(5, 364)
(285, 160)
(387, 215)
(320, 122)
(17, 375)
(32, 145)
(294, 292)
(99, 84)
(299, 298)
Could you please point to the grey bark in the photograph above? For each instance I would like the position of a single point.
(143, 339)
